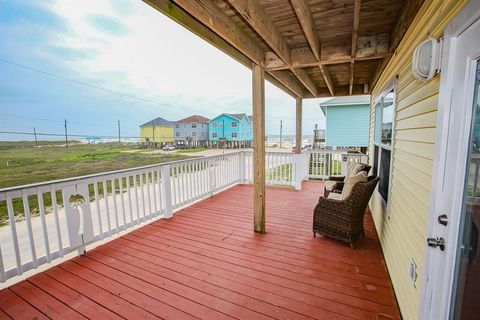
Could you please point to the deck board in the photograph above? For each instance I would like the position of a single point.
(206, 263)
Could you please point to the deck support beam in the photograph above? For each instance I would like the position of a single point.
(258, 94)
(298, 126)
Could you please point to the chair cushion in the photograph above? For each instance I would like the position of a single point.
(330, 185)
(354, 169)
(351, 181)
(335, 196)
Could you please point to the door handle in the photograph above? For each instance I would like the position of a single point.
(443, 219)
(436, 243)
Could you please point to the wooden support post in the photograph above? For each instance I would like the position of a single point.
(298, 127)
(258, 94)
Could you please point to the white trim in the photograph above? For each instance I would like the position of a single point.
(391, 85)
(441, 187)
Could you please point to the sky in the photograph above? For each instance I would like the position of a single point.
(97, 62)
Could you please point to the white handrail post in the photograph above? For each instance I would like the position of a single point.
(296, 171)
(344, 164)
(167, 191)
(242, 167)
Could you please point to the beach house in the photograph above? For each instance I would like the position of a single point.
(157, 132)
(233, 130)
(347, 122)
(192, 131)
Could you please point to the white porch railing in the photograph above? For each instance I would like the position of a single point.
(325, 163)
(76, 212)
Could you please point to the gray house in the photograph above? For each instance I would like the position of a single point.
(192, 131)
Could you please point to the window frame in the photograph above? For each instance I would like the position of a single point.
(234, 124)
(391, 86)
(214, 124)
(214, 135)
(234, 135)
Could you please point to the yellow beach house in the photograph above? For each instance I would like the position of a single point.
(157, 130)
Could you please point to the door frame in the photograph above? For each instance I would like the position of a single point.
(447, 187)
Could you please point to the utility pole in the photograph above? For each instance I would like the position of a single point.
(119, 131)
(35, 134)
(66, 134)
(153, 130)
(281, 128)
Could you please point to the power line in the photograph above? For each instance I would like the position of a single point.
(90, 85)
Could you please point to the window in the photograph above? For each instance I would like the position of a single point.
(234, 134)
(177, 134)
(214, 135)
(221, 124)
(194, 134)
(382, 153)
(234, 124)
(203, 133)
(177, 126)
(214, 124)
(194, 125)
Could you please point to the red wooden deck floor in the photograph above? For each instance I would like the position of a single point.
(206, 262)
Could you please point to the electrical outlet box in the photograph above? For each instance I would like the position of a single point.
(413, 272)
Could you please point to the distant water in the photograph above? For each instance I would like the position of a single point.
(287, 139)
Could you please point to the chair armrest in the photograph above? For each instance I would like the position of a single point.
(338, 187)
(336, 178)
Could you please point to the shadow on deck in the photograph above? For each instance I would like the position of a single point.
(207, 263)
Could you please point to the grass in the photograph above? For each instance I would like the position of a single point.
(191, 150)
(281, 172)
(335, 168)
(22, 163)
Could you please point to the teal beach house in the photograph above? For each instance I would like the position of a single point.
(347, 121)
(231, 128)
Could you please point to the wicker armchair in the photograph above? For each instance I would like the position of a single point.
(335, 183)
(343, 219)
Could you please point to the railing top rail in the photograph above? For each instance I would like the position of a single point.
(114, 172)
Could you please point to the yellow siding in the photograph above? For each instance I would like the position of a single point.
(162, 134)
(403, 233)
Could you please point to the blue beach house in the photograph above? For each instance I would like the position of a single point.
(229, 127)
(347, 121)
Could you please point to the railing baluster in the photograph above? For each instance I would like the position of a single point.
(154, 193)
(28, 218)
(44, 225)
(13, 229)
(97, 207)
(129, 197)
(149, 198)
(107, 209)
(142, 194)
(160, 192)
(137, 205)
(115, 209)
(122, 203)
(57, 220)
(2, 267)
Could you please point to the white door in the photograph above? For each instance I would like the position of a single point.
(452, 270)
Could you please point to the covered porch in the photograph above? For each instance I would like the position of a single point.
(206, 262)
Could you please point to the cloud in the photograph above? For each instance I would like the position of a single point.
(131, 48)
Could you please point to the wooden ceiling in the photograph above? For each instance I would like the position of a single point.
(309, 48)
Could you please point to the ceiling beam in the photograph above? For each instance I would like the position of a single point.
(328, 79)
(305, 79)
(304, 15)
(298, 60)
(258, 19)
(352, 70)
(356, 22)
(283, 77)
